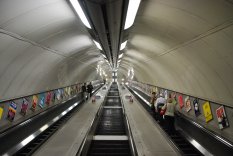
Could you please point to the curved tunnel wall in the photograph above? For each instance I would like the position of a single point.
(43, 46)
(184, 46)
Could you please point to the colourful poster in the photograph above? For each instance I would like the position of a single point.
(24, 107)
(53, 96)
(48, 97)
(207, 111)
(196, 107)
(11, 111)
(42, 100)
(187, 104)
(58, 94)
(181, 102)
(222, 118)
(1, 112)
(34, 102)
(165, 94)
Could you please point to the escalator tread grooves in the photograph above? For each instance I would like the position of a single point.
(111, 122)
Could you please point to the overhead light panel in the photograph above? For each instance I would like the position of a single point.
(119, 61)
(123, 45)
(120, 56)
(131, 12)
(80, 12)
(98, 45)
(104, 56)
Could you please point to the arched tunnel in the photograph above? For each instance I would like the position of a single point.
(177, 46)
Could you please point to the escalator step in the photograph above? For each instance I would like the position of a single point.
(110, 150)
(109, 154)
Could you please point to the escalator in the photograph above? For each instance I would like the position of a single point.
(111, 134)
(183, 145)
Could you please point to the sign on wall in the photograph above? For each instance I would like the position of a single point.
(42, 100)
(34, 102)
(207, 111)
(1, 112)
(222, 118)
(196, 107)
(48, 97)
(181, 102)
(11, 111)
(187, 104)
(24, 107)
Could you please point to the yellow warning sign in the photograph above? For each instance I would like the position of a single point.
(207, 111)
(1, 112)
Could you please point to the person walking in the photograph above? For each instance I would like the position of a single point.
(84, 91)
(89, 89)
(169, 115)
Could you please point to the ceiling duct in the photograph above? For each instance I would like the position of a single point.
(107, 18)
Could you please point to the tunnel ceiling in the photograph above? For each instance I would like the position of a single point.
(43, 45)
(176, 44)
(184, 46)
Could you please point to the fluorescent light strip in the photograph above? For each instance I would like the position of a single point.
(131, 12)
(120, 56)
(104, 56)
(80, 12)
(123, 45)
(98, 45)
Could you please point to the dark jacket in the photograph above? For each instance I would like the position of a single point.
(89, 88)
(84, 89)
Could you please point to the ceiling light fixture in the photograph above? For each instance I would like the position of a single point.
(131, 12)
(120, 56)
(98, 45)
(104, 56)
(123, 45)
(80, 12)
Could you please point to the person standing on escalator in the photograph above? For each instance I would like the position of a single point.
(89, 89)
(84, 91)
(158, 106)
(169, 115)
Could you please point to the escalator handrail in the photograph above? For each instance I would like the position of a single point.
(214, 135)
(131, 140)
(81, 147)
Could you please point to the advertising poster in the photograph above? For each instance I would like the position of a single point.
(1, 112)
(222, 118)
(48, 97)
(24, 107)
(58, 94)
(207, 111)
(42, 100)
(196, 107)
(34, 102)
(11, 111)
(53, 96)
(181, 102)
(166, 94)
(69, 91)
(62, 93)
(187, 104)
